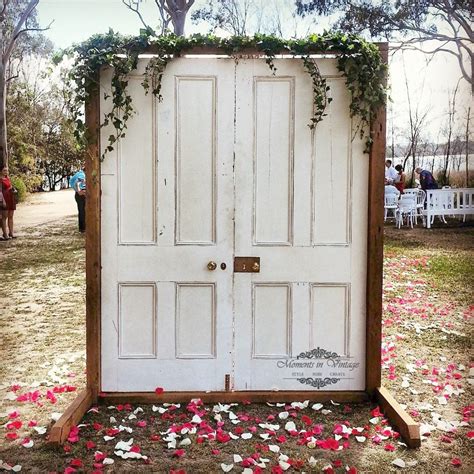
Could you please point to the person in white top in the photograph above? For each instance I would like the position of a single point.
(391, 174)
(390, 189)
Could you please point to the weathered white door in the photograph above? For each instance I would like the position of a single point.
(167, 210)
(298, 210)
(226, 167)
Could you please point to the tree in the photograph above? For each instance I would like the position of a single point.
(42, 142)
(17, 21)
(173, 11)
(228, 15)
(449, 22)
(449, 130)
(247, 17)
(416, 122)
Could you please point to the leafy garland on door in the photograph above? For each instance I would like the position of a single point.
(358, 60)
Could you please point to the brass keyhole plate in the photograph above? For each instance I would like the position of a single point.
(247, 264)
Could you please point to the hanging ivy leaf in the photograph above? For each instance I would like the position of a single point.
(358, 60)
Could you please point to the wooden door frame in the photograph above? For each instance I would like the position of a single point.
(92, 394)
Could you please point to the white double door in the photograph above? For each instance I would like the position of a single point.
(226, 166)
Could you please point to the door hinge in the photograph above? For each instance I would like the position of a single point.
(227, 382)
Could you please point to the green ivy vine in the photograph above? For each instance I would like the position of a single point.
(358, 60)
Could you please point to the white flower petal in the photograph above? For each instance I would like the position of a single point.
(290, 426)
(56, 416)
(399, 463)
(227, 467)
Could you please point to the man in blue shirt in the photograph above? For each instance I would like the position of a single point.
(78, 183)
(427, 180)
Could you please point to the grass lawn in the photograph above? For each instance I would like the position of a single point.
(427, 336)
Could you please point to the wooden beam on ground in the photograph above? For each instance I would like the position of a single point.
(373, 371)
(399, 418)
(71, 417)
(252, 396)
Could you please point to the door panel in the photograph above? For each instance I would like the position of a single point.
(273, 166)
(294, 185)
(179, 336)
(196, 160)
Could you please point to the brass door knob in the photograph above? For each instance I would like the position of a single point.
(211, 266)
(256, 267)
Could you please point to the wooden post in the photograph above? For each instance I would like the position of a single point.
(93, 265)
(375, 246)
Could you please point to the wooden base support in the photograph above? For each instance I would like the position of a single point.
(214, 397)
(72, 416)
(406, 426)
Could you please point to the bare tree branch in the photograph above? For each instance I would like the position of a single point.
(24, 16)
(134, 5)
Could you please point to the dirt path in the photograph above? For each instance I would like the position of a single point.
(44, 209)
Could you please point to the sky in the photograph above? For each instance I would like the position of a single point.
(430, 85)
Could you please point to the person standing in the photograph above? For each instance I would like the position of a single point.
(390, 172)
(9, 205)
(401, 178)
(78, 183)
(427, 180)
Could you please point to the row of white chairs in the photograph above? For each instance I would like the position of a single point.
(405, 207)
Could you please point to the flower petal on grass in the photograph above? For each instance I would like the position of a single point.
(227, 467)
(27, 443)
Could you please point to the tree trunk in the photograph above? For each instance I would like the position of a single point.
(178, 23)
(467, 146)
(3, 117)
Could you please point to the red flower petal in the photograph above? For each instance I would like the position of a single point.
(456, 462)
(159, 390)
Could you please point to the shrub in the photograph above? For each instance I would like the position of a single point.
(21, 188)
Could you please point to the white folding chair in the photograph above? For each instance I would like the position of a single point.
(391, 203)
(420, 204)
(406, 210)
